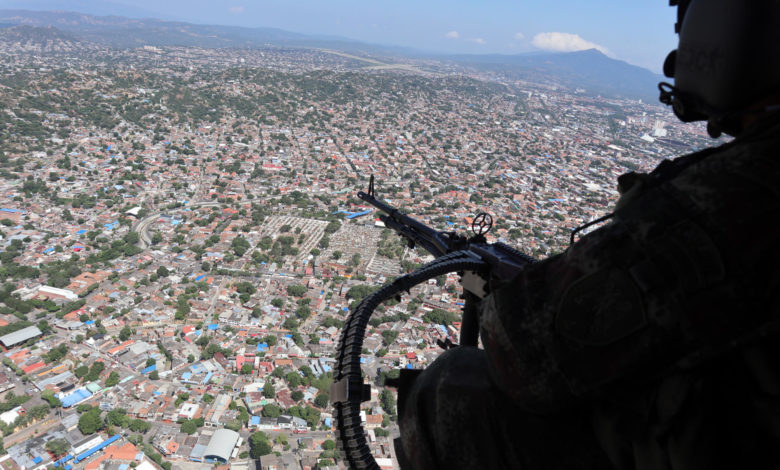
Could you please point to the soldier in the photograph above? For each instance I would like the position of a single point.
(651, 343)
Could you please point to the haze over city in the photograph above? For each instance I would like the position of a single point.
(639, 32)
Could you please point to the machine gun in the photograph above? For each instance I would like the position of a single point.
(478, 262)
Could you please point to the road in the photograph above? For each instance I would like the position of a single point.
(142, 226)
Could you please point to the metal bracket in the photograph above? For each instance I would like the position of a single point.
(344, 389)
(474, 283)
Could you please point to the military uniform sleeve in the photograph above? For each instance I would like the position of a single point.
(672, 276)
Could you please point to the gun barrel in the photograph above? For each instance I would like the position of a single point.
(429, 238)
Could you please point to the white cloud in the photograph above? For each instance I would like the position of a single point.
(519, 36)
(236, 10)
(452, 35)
(479, 41)
(566, 42)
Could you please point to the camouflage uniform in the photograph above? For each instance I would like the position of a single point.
(648, 344)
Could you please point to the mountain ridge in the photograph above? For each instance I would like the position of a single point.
(589, 70)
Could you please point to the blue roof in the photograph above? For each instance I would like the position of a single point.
(207, 378)
(149, 369)
(262, 346)
(358, 214)
(255, 420)
(186, 375)
(75, 397)
(89, 322)
(408, 366)
(200, 277)
(213, 326)
(81, 231)
(63, 460)
(48, 250)
(97, 448)
(37, 459)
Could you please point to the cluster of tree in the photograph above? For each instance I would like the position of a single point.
(90, 421)
(389, 336)
(118, 417)
(329, 455)
(296, 290)
(245, 290)
(10, 269)
(56, 353)
(125, 246)
(359, 292)
(240, 245)
(259, 445)
(440, 317)
(396, 317)
(90, 374)
(30, 416)
(387, 400)
(190, 426)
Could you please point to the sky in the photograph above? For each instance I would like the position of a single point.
(640, 32)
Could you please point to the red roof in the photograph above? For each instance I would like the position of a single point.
(33, 367)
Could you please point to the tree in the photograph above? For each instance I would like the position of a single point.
(125, 333)
(189, 427)
(58, 446)
(259, 445)
(293, 379)
(154, 375)
(328, 445)
(90, 422)
(271, 411)
(48, 395)
(296, 395)
(387, 400)
(94, 371)
(117, 417)
(113, 379)
(233, 425)
(139, 425)
(162, 271)
(268, 390)
(322, 400)
(389, 336)
(80, 371)
(277, 302)
(296, 290)
(246, 369)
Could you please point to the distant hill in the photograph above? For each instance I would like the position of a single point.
(40, 39)
(120, 32)
(590, 70)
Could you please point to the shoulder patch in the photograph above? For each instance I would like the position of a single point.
(600, 308)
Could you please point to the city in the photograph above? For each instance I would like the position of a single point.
(181, 239)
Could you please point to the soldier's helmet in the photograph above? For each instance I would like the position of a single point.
(727, 60)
